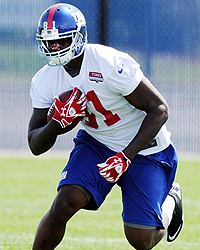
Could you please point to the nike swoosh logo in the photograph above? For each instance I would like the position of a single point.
(177, 232)
(120, 70)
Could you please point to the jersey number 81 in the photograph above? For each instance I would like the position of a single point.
(91, 121)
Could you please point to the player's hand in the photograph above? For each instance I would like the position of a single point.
(114, 167)
(66, 112)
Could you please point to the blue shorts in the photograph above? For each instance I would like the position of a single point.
(144, 185)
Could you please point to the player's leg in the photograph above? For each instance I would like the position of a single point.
(52, 227)
(144, 188)
(143, 238)
(172, 219)
(80, 186)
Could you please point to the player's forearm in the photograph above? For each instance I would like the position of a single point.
(41, 139)
(149, 128)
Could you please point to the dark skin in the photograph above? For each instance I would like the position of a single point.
(70, 199)
(156, 109)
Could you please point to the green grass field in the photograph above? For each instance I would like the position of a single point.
(28, 186)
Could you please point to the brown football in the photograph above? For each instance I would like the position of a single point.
(63, 98)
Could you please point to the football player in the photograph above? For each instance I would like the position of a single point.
(123, 140)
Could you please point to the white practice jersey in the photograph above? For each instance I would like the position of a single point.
(106, 76)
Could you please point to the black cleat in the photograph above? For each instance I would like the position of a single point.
(176, 223)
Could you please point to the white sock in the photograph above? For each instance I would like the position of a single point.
(167, 210)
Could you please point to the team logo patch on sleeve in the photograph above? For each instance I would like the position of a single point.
(63, 175)
(96, 77)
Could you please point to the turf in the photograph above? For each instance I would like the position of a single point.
(28, 186)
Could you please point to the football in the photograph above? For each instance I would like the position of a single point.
(63, 98)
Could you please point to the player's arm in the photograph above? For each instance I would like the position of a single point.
(41, 135)
(148, 99)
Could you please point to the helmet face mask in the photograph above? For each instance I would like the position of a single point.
(59, 22)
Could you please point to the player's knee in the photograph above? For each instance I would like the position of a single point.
(61, 211)
(66, 204)
(139, 244)
(139, 239)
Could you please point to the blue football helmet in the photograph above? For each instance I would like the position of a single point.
(61, 21)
